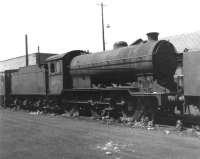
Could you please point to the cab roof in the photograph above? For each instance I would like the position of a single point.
(61, 56)
(56, 57)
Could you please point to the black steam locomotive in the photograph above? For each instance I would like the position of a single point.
(140, 80)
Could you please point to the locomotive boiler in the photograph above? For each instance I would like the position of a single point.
(153, 59)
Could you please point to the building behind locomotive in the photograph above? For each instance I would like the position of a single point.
(17, 62)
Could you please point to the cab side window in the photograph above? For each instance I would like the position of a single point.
(52, 68)
(55, 67)
(58, 66)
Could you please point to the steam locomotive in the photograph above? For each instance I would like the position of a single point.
(140, 80)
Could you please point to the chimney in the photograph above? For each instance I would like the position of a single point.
(152, 36)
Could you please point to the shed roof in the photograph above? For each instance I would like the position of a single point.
(186, 41)
(16, 62)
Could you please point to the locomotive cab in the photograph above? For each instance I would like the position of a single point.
(58, 67)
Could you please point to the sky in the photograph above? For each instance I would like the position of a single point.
(59, 26)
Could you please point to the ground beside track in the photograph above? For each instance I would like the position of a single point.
(26, 136)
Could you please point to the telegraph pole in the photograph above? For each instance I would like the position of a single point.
(26, 45)
(102, 21)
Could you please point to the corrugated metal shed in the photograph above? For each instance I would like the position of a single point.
(15, 63)
(187, 41)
